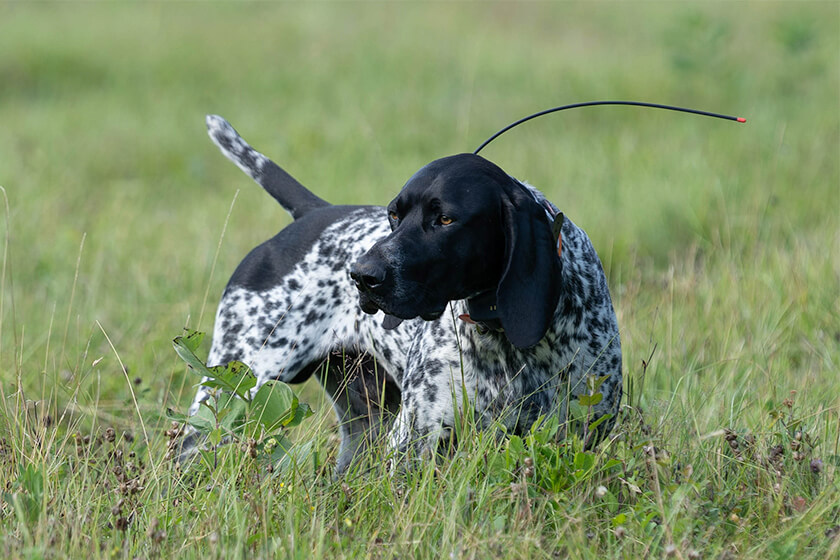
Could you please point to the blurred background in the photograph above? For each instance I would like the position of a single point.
(116, 200)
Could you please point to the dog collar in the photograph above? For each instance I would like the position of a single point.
(483, 312)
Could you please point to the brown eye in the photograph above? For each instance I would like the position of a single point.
(393, 215)
(444, 220)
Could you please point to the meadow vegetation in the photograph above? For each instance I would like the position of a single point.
(121, 223)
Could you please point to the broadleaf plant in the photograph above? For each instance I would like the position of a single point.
(231, 412)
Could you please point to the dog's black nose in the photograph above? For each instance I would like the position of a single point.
(367, 276)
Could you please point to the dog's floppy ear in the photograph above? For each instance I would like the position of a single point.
(530, 287)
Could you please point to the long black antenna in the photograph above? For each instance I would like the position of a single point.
(592, 103)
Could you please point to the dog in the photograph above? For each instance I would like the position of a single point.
(470, 287)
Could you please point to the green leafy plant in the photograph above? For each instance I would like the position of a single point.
(234, 412)
(27, 494)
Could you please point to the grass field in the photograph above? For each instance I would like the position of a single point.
(121, 224)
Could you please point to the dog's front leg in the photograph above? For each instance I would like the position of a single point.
(431, 399)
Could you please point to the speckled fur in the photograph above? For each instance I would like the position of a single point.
(404, 380)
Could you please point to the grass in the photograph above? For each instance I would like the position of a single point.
(720, 242)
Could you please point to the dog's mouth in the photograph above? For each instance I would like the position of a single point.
(367, 304)
(370, 304)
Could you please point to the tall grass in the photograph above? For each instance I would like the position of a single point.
(720, 243)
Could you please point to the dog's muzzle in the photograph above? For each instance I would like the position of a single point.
(369, 279)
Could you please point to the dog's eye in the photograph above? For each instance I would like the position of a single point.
(444, 220)
(393, 215)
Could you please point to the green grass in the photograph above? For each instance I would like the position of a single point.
(720, 241)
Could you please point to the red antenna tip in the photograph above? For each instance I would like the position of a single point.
(741, 119)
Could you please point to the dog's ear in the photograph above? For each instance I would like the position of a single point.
(528, 293)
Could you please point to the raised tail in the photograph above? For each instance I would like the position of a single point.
(285, 189)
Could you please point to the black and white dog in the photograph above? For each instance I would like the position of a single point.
(470, 288)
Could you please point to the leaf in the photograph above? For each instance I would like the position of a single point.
(516, 446)
(611, 502)
(602, 418)
(496, 467)
(192, 339)
(184, 349)
(301, 412)
(590, 400)
(27, 502)
(32, 481)
(584, 461)
(611, 463)
(594, 382)
(235, 377)
(550, 427)
(274, 405)
(576, 411)
(234, 418)
(619, 519)
(203, 420)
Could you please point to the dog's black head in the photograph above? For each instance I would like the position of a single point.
(462, 227)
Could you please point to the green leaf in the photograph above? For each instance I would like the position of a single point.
(204, 420)
(576, 411)
(234, 417)
(302, 411)
(611, 502)
(274, 405)
(32, 481)
(619, 519)
(184, 349)
(590, 400)
(602, 418)
(215, 436)
(611, 463)
(496, 467)
(192, 339)
(27, 502)
(235, 377)
(594, 382)
(584, 461)
(516, 446)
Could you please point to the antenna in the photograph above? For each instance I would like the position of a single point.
(593, 103)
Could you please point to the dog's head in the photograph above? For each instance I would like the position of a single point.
(462, 227)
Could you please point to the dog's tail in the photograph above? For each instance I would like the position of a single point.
(285, 189)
